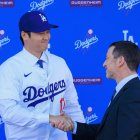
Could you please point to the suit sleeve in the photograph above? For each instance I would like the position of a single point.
(85, 131)
(129, 116)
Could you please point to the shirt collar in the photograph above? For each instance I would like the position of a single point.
(44, 56)
(124, 81)
(33, 59)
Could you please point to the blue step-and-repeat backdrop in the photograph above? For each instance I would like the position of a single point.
(86, 28)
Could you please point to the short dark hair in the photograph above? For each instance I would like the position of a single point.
(21, 39)
(130, 51)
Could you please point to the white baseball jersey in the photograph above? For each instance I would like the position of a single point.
(28, 94)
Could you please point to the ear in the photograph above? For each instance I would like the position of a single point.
(120, 61)
(24, 35)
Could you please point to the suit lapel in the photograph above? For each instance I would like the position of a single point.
(120, 93)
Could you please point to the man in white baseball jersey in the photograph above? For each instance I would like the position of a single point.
(36, 85)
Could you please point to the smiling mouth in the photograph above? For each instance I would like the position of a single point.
(45, 42)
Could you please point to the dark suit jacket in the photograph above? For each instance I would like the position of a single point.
(121, 120)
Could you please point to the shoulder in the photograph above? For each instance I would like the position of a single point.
(56, 59)
(134, 84)
(11, 63)
(132, 91)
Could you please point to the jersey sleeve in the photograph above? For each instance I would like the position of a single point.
(11, 110)
(72, 108)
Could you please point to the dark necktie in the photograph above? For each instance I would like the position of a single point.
(40, 63)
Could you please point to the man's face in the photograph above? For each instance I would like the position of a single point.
(37, 42)
(110, 64)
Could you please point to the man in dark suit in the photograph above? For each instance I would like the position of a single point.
(122, 117)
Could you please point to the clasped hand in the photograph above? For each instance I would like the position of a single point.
(62, 122)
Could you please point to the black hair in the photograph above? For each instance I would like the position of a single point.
(21, 39)
(130, 51)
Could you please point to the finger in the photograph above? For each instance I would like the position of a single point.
(69, 125)
(61, 125)
(53, 124)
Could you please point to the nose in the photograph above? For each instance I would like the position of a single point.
(46, 35)
(104, 64)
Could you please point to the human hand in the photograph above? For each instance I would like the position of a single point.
(62, 122)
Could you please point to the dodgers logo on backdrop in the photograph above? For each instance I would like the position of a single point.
(3, 39)
(128, 37)
(90, 116)
(85, 3)
(41, 5)
(86, 43)
(127, 4)
(6, 3)
(34, 96)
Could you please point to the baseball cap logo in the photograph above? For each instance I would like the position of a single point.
(43, 17)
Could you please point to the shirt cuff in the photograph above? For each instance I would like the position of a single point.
(75, 127)
(43, 118)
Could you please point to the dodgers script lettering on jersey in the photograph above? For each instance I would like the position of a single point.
(38, 95)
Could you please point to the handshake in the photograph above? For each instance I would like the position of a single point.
(62, 122)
